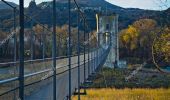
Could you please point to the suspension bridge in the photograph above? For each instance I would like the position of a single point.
(55, 77)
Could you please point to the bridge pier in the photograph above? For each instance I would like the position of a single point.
(107, 30)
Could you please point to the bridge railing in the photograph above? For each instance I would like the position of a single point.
(31, 79)
(95, 61)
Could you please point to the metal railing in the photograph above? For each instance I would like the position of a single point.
(84, 66)
(102, 54)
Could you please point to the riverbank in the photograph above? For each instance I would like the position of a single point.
(111, 84)
(145, 78)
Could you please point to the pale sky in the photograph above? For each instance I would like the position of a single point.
(143, 4)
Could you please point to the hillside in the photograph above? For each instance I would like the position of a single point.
(126, 16)
(4, 6)
(164, 17)
(92, 3)
(90, 7)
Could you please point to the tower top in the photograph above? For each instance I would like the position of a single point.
(33, 0)
(32, 6)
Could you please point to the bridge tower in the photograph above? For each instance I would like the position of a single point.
(107, 32)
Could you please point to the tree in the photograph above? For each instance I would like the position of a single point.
(3, 35)
(147, 29)
(137, 39)
(161, 49)
(129, 38)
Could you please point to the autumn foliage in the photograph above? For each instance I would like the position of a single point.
(137, 40)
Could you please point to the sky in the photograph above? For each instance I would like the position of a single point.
(143, 4)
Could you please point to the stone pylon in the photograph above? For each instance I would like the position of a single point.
(107, 32)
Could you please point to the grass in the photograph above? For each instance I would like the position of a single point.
(126, 94)
(110, 84)
(115, 78)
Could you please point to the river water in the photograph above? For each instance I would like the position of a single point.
(167, 68)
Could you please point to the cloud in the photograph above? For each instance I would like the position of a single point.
(143, 4)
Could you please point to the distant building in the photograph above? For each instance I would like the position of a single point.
(91, 8)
